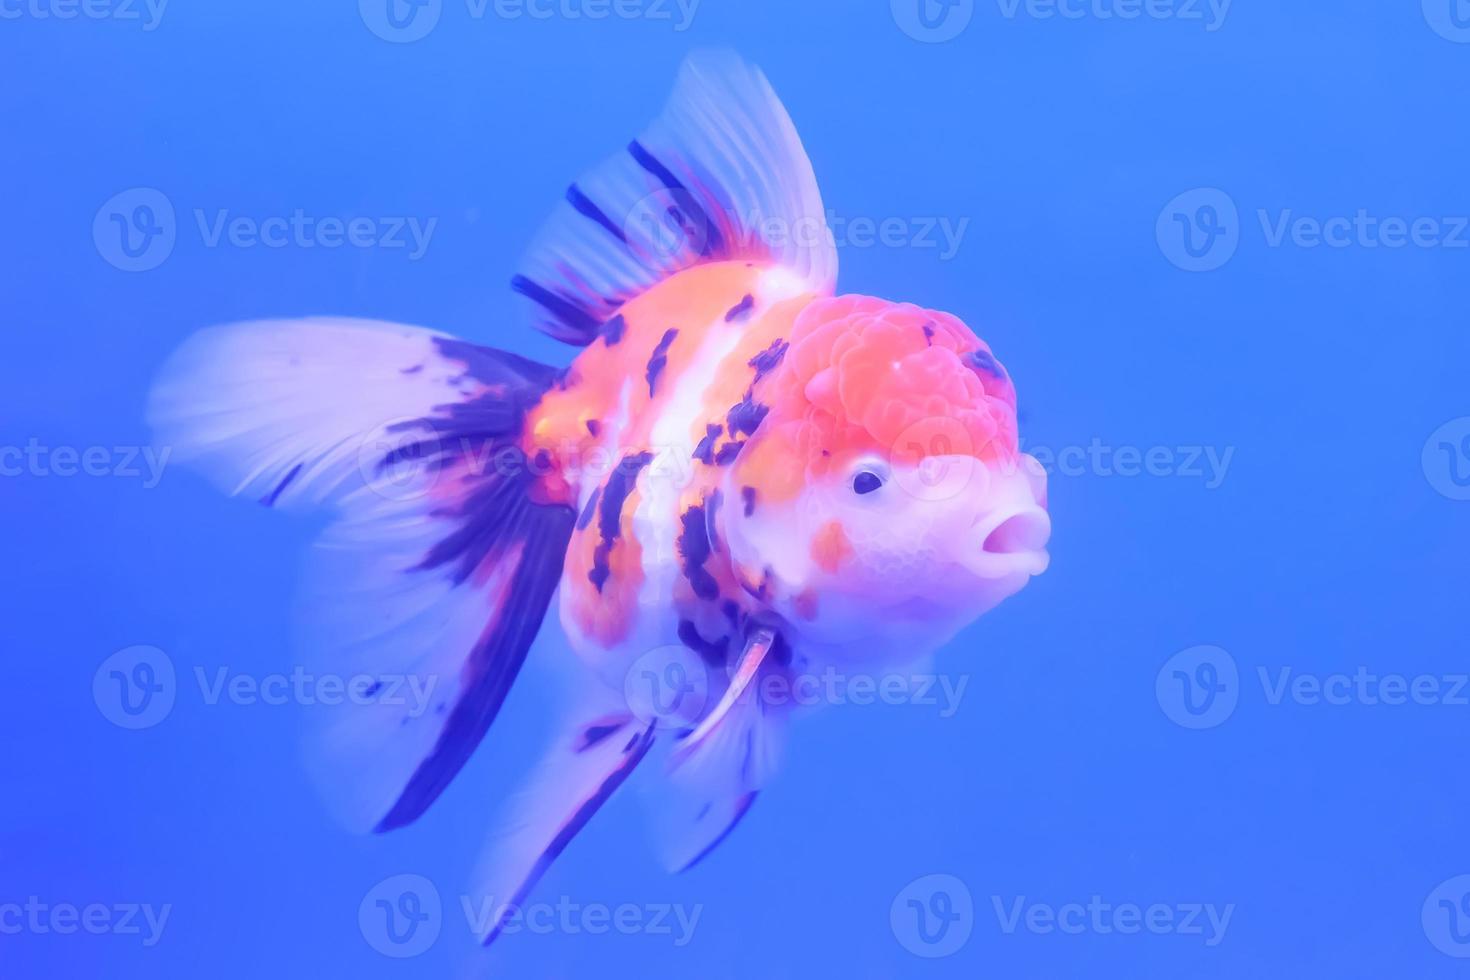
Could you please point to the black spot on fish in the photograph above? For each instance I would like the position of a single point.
(780, 650)
(412, 370)
(694, 550)
(573, 317)
(746, 417)
(698, 229)
(767, 360)
(594, 734)
(615, 493)
(747, 497)
(728, 452)
(659, 360)
(929, 334)
(741, 310)
(712, 653)
(613, 330)
(594, 428)
(981, 361)
(705, 451)
(587, 208)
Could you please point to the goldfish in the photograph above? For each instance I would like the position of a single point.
(741, 477)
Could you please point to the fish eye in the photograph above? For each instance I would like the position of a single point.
(866, 481)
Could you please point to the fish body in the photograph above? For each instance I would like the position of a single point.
(742, 477)
(657, 397)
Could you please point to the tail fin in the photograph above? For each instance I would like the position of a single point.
(574, 779)
(720, 175)
(430, 586)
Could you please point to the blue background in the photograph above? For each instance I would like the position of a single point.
(1328, 545)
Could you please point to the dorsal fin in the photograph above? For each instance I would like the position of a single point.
(720, 175)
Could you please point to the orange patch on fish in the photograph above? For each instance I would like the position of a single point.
(830, 547)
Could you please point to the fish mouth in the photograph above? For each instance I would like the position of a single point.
(1011, 542)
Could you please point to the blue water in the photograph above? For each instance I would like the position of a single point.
(1097, 757)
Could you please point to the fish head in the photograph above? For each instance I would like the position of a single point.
(884, 503)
